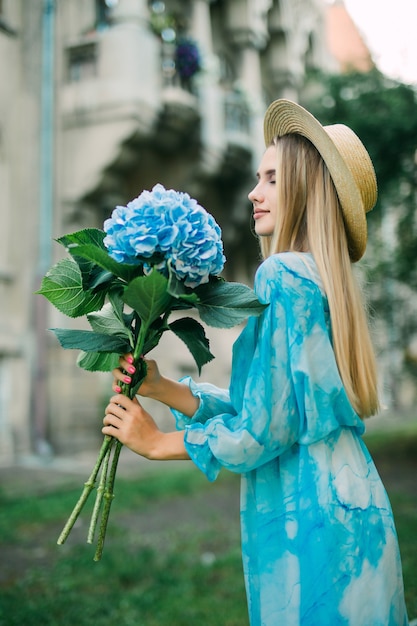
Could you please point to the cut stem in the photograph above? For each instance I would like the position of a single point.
(105, 490)
(108, 499)
(99, 497)
(88, 487)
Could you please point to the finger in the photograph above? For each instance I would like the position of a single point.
(111, 430)
(110, 420)
(114, 412)
(120, 400)
(127, 363)
(118, 374)
(123, 375)
(116, 387)
(120, 379)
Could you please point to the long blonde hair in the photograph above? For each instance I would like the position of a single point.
(309, 217)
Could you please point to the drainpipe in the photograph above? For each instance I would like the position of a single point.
(46, 196)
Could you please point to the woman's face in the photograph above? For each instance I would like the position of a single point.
(264, 195)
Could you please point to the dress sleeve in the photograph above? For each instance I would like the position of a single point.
(265, 422)
(285, 384)
(213, 401)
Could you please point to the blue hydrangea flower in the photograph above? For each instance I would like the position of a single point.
(171, 225)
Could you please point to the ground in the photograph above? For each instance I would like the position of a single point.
(216, 506)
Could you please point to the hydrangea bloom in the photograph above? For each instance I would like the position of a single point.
(170, 224)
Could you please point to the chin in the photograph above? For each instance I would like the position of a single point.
(264, 232)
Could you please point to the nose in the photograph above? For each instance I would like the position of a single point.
(256, 194)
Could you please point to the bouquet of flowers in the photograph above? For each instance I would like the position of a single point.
(160, 253)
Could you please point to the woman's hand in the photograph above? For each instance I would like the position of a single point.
(123, 374)
(174, 394)
(127, 421)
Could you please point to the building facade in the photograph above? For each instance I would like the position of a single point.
(101, 99)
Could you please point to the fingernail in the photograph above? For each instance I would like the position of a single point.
(131, 369)
(127, 379)
(118, 389)
(130, 359)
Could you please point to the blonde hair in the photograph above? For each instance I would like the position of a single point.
(309, 217)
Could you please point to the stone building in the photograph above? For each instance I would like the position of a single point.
(96, 105)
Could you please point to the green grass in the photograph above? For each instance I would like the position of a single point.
(43, 509)
(143, 588)
(156, 575)
(393, 449)
(394, 444)
(155, 579)
(405, 514)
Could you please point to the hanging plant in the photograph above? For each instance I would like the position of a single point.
(187, 58)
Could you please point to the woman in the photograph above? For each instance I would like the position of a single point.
(318, 538)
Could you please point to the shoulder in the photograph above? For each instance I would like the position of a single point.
(284, 273)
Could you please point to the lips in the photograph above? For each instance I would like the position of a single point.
(258, 213)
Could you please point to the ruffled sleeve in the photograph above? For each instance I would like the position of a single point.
(265, 419)
(213, 401)
(285, 387)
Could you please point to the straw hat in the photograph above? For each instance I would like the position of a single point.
(346, 158)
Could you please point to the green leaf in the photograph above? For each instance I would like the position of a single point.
(148, 296)
(224, 304)
(93, 236)
(115, 299)
(89, 341)
(102, 258)
(98, 278)
(154, 334)
(138, 377)
(108, 323)
(193, 335)
(178, 290)
(92, 274)
(63, 287)
(98, 361)
(88, 244)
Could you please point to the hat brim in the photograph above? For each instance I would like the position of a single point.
(284, 117)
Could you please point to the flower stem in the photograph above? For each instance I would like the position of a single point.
(106, 486)
(108, 499)
(88, 487)
(99, 496)
(105, 489)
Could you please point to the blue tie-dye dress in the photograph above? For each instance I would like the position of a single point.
(318, 538)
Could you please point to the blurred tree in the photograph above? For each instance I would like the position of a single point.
(383, 112)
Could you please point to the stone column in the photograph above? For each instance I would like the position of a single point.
(247, 27)
(209, 92)
(291, 24)
(129, 55)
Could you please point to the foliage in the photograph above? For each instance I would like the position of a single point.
(382, 112)
(187, 58)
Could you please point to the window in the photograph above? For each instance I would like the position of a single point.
(237, 113)
(82, 62)
(104, 12)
